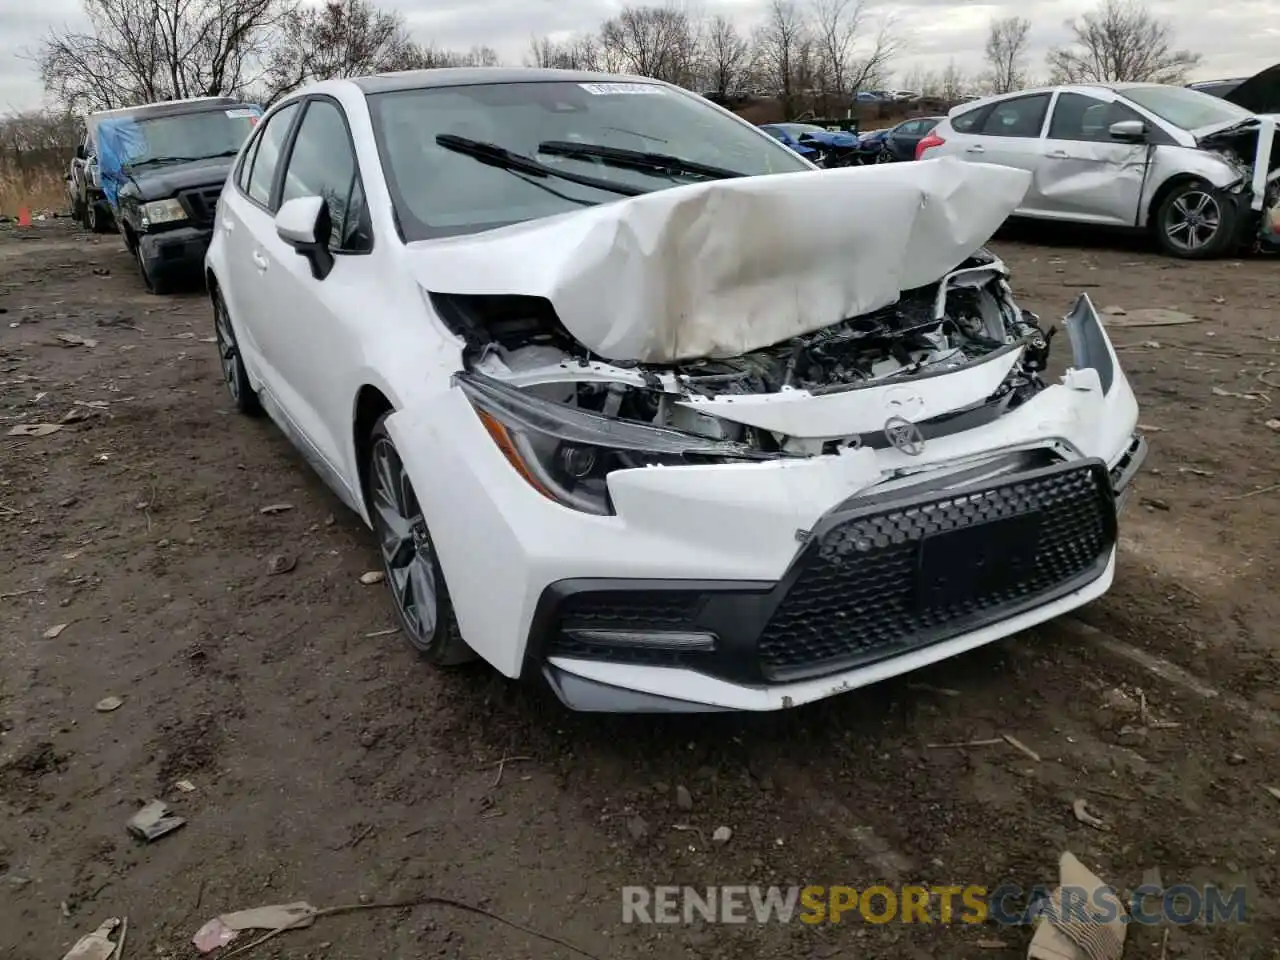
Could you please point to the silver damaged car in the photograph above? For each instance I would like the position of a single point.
(1201, 173)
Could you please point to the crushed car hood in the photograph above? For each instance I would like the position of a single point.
(722, 268)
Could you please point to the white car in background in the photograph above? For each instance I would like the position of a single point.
(632, 403)
(1202, 174)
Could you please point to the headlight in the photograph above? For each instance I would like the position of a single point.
(163, 211)
(565, 453)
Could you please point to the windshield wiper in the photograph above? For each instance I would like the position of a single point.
(504, 159)
(636, 159)
(147, 160)
(209, 156)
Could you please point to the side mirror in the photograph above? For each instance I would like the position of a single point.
(80, 154)
(1132, 131)
(304, 224)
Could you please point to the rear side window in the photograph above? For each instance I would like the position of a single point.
(246, 164)
(1019, 117)
(971, 120)
(266, 154)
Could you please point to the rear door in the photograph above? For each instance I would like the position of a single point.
(1010, 133)
(959, 134)
(1085, 174)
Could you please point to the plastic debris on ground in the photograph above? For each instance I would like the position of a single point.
(1090, 926)
(221, 930)
(99, 945)
(154, 821)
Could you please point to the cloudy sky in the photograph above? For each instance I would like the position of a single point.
(1236, 37)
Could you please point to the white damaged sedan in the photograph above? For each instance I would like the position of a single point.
(638, 401)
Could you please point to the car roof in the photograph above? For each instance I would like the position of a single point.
(470, 76)
(166, 108)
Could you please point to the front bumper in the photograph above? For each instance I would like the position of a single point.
(887, 581)
(178, 250)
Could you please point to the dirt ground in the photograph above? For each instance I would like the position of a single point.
(330, 765)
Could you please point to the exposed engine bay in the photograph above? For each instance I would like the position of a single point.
(966, 318)
(1252, 147)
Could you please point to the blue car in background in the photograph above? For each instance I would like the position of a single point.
(822, 146)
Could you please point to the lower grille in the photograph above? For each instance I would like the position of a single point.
(200, 204)
(624, 610)
(883, 579)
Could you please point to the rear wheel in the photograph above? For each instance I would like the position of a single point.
(1196, 221)
(97, 219)
(409, 559)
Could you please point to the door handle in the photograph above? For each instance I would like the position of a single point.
(1059, 155)
(976, 148)
(259, 261)
(228, 224)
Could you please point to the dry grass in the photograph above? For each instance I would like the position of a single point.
(40, 190)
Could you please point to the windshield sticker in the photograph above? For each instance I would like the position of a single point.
(604, 89)
(241, 114)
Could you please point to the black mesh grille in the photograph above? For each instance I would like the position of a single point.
(200, 204)
(908, 574)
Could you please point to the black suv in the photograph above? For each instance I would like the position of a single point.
(162, 167)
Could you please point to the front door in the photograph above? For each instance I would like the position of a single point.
(308, 328)
(1086, 175)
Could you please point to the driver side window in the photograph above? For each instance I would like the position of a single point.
(323, 164)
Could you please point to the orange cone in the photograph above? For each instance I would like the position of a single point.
(24, 217)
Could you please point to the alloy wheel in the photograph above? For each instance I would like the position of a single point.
(1193, 220)
(884, 156)
(407, 553)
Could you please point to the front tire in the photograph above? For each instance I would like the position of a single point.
(1196, 221)
(884, 156)
(234, 374)
(156, 283)
(409, 558)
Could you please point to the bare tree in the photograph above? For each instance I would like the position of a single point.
(577, 53)
(139, 51)
(953, 84)
(430, 56)
(927, 83)
(658, 42)
(836, 26)
(871, 67)
(778, 42)
(342, 38)
(852, 57)
(1006, 52)
(1122, 40)
(726, 54)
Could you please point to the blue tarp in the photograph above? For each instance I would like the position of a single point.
(119, 141)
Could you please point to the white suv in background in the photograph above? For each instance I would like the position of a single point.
(1190, 167)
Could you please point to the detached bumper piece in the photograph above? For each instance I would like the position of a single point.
(878, 576)
(1127, 467)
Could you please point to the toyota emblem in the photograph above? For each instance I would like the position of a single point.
(904, 435)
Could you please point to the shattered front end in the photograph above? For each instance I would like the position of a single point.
(833, 501)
